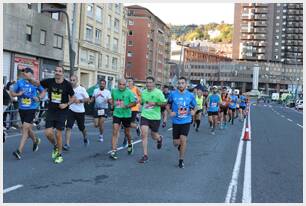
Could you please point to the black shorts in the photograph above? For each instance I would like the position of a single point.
(233, 109)
(126, 122)
(56, 119)
(100, 113)
(199, 111)
(75, 116)
(224, 110)
(180, 129)
(153, 124)
(213, 113)
(134, 115)
(242, 107)
(162, 109)
(27, 115)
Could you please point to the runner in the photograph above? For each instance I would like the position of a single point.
(163, 108)
(135, 109)
(232, 107)
(61, 96)
(199, 109)
(101, 98)
(76, 112)
(214, 101)
(152, 99)
(242, 107)
(224, 107)
(28, 101)
(123, 100)
(237, 106)
(182, 104)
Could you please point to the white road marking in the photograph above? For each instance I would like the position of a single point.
(283, 116)
(11, 188)
(300, 125)
(290, 120)
(247, 184)
(170, 129)
(232, 188)
(265, 105)
(121, 148)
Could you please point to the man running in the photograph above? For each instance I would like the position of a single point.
(152, 99)
(28, 101)
(101, 98)
(232, 107)
(135, 109)
(242, 107)
(199, 109)
(181, 105)
(76, 112)
(123, 100)
(214, 101)
(224, 107)
(163, 108)
(61, 96)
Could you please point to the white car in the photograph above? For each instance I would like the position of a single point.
(299, 105)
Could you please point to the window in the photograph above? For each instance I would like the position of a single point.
(130, 43)
(131, 13)
(108, 41)
(114, 63)
(98, 36)
(55, 16)
(130, 33)
(116, 25)
(91, 58)
(99, 14)
(29, 33)
(129, 65)
(89, 32)
(58, 41)
(277, 17)
(130, 54)
(109, 22)
(100, 60)
(42, 37)
(106, 61)
(115, 44)
(83, 56)
(110, 6)
(117, 8)
(90, 10)
(29, 6)
(131, 22)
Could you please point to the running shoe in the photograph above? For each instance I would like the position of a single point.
(164, 124)
(113, 155)
(54, 153)
(86, 141)
(125, 143)
(160, 142)
(130, 149)
(181, 164)
(212, 132)
(143, 159)
(101, 139)
(138, 130)
(58, 159)
(66, 147)
(17, 154)
(35, 145)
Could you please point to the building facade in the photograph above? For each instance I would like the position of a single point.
(99, 43)
(31, 39)
(148, 46)
(268, 32)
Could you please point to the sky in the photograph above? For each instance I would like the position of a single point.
(191, 13)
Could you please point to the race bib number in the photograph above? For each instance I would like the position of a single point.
(56, 97)
(213, 104)
(101, 112)
(223, 103)
(182, 112)
(26, 102)
(148, 106)
(119, 103)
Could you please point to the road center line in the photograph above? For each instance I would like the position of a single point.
(11, 188)
(300, 125)
(290, 120)
(232, 188)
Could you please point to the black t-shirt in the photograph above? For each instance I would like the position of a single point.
(6, 97)
(57, 93)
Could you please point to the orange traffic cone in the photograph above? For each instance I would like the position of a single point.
(246, 136)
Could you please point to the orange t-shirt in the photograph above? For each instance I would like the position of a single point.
(137, 93)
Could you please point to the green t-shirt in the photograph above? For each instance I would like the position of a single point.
(120, 99)
(152, 112)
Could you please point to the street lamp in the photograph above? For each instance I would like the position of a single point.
(71, 52)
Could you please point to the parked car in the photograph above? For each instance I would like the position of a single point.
(290, 103)
(299, 105)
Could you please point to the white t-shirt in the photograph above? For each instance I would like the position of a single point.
(79, 93)
(101, 98)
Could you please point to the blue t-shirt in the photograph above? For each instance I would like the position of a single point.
(27, 101)
(181, 104)
(233, 102)
(214, 100)
(242, 101)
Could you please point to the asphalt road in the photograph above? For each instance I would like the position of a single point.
(210, 174)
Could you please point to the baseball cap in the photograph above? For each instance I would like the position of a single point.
(28, 69)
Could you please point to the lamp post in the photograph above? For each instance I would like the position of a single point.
(71, 52)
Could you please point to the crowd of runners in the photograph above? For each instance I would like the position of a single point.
(131, 108)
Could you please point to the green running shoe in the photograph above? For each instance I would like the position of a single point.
(58, 159)
(54, 153)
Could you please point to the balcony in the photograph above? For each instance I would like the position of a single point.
(261, 50)
(261, 17)
(260, 36)
(260, 30)
(261, 57)
(263, 24)
(261, 5)
(261, 10)
(262, 43)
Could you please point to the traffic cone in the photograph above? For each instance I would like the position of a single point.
(246, 136)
